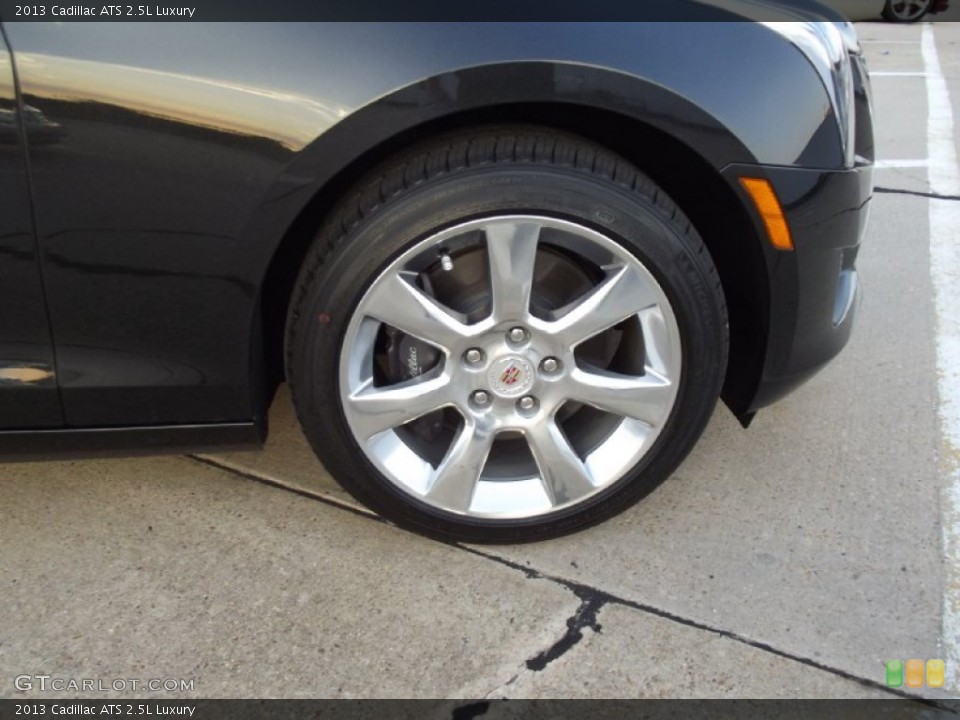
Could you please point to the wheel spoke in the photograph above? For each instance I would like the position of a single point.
(563, 474)
(396, 301)
(909, 9)
(512, 248)
(374, 410)
(622, 294)
(457, 476)
(646, 398)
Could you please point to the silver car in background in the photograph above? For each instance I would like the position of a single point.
(891, 10)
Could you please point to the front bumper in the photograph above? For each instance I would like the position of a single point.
(812, 289)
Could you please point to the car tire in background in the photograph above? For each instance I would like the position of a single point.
(906, 11)
(504, 335)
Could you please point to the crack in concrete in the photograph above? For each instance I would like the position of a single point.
(601, 598)
(584, 617)
(916, 193)
(592, 601)
(492, 694)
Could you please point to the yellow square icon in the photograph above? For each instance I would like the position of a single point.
(914, 673)
(935, 673)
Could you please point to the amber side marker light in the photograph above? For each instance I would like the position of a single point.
(764, 197)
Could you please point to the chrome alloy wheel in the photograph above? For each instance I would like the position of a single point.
(909, 10)
(541, 361)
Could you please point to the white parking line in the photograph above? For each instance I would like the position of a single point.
(944, 178)
(886, 164)
(887, 73)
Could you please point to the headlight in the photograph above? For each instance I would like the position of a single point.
(827, 48)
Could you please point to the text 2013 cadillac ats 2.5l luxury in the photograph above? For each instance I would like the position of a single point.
(506, 269)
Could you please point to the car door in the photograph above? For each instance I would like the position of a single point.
(28, 380)
(143, 189)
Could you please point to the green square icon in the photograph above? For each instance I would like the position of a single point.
(894, 673)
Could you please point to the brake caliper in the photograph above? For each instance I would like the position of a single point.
(408, 357)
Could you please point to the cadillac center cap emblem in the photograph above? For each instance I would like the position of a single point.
(511, 376)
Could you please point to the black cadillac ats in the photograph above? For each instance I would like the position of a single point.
(507, 269)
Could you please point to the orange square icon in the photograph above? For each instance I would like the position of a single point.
(914, 670)
(935, 673)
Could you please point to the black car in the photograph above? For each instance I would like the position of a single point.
(506, 269)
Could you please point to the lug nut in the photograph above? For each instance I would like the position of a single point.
(481, 398)
(550, 365)
(527, 403)
(517, 335)
(473, 356)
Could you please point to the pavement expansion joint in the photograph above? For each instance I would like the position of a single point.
(595, 599)
(263, 480)
(916, 193)
(592, 600)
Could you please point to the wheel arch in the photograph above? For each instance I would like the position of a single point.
(672, 140)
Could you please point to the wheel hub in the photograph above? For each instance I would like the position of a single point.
(511, 376)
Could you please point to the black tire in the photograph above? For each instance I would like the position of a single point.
(475, 174)
(914, 10)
